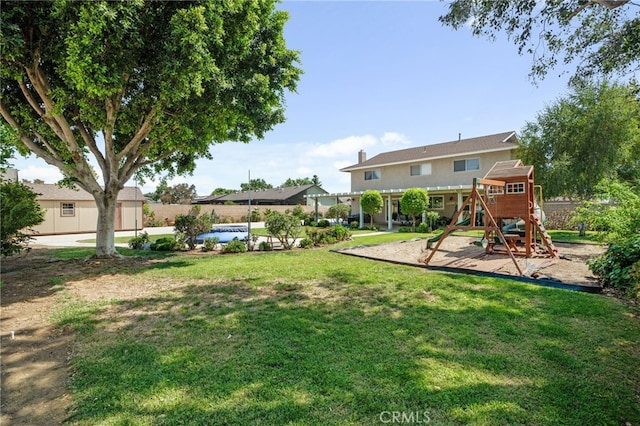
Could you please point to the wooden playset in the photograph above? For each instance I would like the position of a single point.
(506, 209)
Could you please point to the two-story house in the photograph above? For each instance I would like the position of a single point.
(446, 170)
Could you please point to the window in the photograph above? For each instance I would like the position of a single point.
(67, 209)
(466, 165)
(436, 202)
(495, 190)
(372, 175)
(515, 188)
(420, 169)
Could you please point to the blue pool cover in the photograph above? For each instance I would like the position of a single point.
(224, 234)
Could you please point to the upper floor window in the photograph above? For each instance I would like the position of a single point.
(67, 209)
(420, 169)
(466, 165)
(516, 188)
(372, 174)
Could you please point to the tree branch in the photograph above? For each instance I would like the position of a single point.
(137, 139)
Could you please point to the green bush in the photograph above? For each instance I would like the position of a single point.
(264, 246)
(354, 225)
(137, 243)
(404, 229)
(424, 228)
(284, 227)
(210, 244)
(331, 235)
(189, 226)
(618, 266)
(306, 243)
(234, 246)
(19, 211)
(324, 223)
(165, 244)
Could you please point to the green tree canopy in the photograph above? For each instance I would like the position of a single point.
(339, 210)
(255, 184)
(601, 36)
(414, 202)
(587, 136)
(139, 86)
(371, 203)
(315, 180)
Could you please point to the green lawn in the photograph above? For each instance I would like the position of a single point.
(312, 337)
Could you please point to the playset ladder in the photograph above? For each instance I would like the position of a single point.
(544, 235)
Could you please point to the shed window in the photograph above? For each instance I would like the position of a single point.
(466, 165)
(515, 188)
(372, 175)
(68, 209)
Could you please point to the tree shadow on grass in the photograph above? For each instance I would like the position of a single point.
(230, 353)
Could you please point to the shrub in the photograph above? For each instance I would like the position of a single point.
(264, 246)
(328, 235)
(618, 266)
(165, 244)
(210, 244)
(306, 243)
(234, 246)
(20, 211)
(341, 233)
(424, 228)
(404, 229)
(354, 225)
(324, 223)
(137, 243)
(189, 226)
(286, 228)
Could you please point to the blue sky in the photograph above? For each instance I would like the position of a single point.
(378, 76)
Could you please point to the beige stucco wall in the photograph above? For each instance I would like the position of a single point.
(85, 218)
(442, 174)
(234, 213)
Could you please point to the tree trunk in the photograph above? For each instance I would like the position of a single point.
(105, 231)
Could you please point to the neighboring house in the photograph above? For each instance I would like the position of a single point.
(71, 211)
(288, 195)
(445, 170)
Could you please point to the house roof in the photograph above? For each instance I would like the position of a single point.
(508, 169)
(271, 194)
(52, 192)
(498, 142)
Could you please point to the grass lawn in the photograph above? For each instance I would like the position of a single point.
(311, 337)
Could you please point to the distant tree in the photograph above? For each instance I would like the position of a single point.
(222, 191)
(371, 203)
(316, 181)
(602, 36)
(414, 202)
(339, 211)
(255, 185)
(296, 182)
(590, 135)
(139, 86)
(181, 193)
(19, 211)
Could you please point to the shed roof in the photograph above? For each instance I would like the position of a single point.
(509, 169)
(52, 192)
(497, 142)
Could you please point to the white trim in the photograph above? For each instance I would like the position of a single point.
(508, 137)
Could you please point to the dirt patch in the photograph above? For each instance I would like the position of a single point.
(35, 353)
(460, 252)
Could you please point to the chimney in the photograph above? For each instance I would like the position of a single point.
(459, 137)
(362, 156)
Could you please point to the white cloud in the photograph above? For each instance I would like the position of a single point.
(342, 147)
(304, 170)
(393, 138)
(48, 174)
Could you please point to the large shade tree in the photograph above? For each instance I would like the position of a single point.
(600, 36)
(139, 86)
(591, 134)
